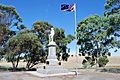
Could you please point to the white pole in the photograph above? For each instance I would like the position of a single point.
(75, 36)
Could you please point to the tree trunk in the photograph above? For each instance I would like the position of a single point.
(18, 59)
(13, 64)
(28, 64)
(97, 44)
(1, 33)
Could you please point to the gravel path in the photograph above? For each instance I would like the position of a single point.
(83, 76)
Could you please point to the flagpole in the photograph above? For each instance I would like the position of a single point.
(75, 36)
(73, 8)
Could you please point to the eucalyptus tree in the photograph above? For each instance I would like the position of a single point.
(62, 41)
(42, 29)
(112, 19)
(91, 36)
(26, 45)
(8, 18)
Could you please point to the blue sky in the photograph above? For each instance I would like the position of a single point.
(49, 10)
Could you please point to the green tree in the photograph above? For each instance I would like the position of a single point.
(25, 44)
(42, 29)
(97, 35)
(62, 41)
(8, 18)
(112, 19)
(91, 35)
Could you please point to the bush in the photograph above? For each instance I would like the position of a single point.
(102, 61)
(87, 65)
(88, 62)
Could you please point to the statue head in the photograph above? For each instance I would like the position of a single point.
(52, 28)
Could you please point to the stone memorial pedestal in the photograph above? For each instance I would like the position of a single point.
(52, 64)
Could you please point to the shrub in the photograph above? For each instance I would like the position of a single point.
(87, 65)
(102, 61)
(88, 62)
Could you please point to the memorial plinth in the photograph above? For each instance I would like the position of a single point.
(52, 64)
(52, 58)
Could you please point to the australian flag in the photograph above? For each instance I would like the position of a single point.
(66, 7)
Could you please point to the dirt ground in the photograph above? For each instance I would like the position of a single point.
(81, 76)
(71, 63)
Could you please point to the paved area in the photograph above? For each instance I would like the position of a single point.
(35, 73)
(82, 76)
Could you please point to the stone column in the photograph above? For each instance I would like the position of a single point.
(52, 58)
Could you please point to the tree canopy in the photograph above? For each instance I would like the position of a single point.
(112, 20)
(42, 29)
(96, 35)
(25, 44)
(8, 18)
(62, 40)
